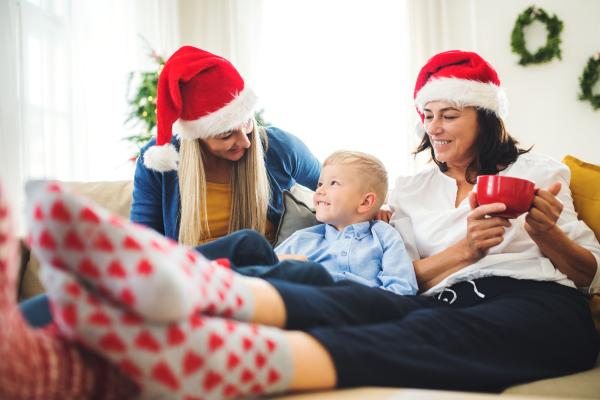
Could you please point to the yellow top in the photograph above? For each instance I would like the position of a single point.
(218, 208)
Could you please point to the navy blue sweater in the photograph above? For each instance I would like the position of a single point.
(156, 194)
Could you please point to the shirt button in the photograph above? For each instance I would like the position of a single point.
(358, 235)
(344, 253)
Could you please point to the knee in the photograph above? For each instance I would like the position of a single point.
(253, 238)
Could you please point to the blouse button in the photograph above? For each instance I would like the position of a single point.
(344, 253)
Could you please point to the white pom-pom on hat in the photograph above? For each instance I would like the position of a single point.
(162, 158)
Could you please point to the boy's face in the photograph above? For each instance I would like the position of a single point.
(338, 196)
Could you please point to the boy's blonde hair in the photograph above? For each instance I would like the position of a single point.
(371, 173)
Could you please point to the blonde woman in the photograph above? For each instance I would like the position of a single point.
(211, 170)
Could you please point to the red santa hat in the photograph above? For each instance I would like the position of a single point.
(461, 78)
(200, 95)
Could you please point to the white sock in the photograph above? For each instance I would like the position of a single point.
(130, 263)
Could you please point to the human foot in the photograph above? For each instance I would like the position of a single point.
(37, 363)
(198, 357)
(129, 263)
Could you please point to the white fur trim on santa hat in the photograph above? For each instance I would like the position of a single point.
(464, 93)
(161, 158)
(234, 114)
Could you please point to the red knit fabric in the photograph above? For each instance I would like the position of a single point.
(38, 363)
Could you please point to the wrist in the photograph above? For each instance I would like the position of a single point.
(466, 254)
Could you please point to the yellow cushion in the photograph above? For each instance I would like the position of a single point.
(585, 188)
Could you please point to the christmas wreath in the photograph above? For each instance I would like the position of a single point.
(554, 26)
(591, 76)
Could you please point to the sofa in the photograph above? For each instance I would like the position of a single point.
(585, 186)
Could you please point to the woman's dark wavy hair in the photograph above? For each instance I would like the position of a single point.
(494, 147)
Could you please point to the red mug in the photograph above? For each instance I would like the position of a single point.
(517, 194)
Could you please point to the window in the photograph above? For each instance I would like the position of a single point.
(333, 74)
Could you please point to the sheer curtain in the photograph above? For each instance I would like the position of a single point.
(334, 73)
(63, 86)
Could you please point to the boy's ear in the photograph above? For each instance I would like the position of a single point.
(367, 204)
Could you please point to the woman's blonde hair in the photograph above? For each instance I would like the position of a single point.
(250, 190)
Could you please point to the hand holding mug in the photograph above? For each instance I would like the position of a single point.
(484, 233)
(545, 211)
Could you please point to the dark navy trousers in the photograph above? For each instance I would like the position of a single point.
(248, 252)
(519, 331)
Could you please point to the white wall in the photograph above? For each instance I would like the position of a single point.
(544, 109)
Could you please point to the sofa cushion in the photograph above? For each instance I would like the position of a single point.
(585, 189)
(295, 215)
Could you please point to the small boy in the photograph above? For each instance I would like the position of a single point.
(350, 245)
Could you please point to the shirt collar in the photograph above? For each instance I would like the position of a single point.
(360, 230)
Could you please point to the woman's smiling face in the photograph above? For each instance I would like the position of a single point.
(453, 132)
(231, 145)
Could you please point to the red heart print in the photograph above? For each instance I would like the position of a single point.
(254, 328)
(175, 336)
(88, 215)
(144, 267)
(162, 373)
(270, 345)
(102, 243)
(232, 361)
(116, 270)
(191, 256)
(145, 341)
(158, 246)
(73, 289)
(127, 297)
(227, 313)
(130, 368)
(196, 321)
(240, 301)
(69, 315)
(214, 342)
(273, 377)
(59, 212)
(247, 344)
(260, 360)
(210, 309)
(47, 241)
(230, 391)
(192, 398)
(221, 295)
(88, 268)
(192, 362)
(230, 325)
(247, 376)
(53, 187)
(58, 263)
(129, 243)
(93, 301)
(211, 380)
(38, 214)
(116, 221)
(72, 241)
(112, 342)
(99, 318)
(257, 389)
(131, 319)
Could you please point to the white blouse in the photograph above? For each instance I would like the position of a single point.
(423, 212)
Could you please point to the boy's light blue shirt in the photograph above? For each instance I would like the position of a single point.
(371, 253)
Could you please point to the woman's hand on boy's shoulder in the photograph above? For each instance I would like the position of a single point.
(383, 215)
